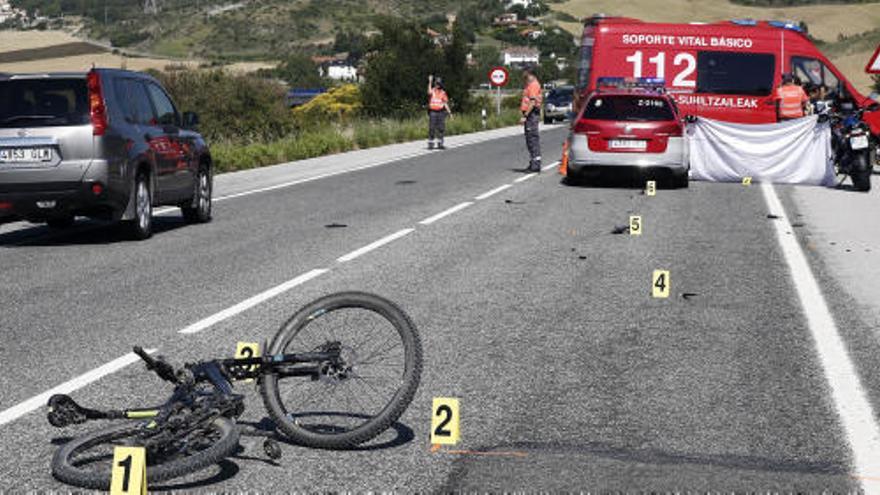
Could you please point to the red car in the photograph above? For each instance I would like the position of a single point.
(626, 125)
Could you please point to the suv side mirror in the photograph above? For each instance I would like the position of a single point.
(190, 120)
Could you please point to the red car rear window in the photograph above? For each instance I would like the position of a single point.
(639, 108)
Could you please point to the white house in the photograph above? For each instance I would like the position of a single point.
(340, 71)
(6, 11)
(521, 55)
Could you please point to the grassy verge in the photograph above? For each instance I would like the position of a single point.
(330, 139)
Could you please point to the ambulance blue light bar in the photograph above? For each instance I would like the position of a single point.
(744, 22)
(631, 82)
(790, 25)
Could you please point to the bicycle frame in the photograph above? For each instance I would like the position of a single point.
(220, 373)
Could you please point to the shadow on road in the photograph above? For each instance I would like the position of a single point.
(402, 434)
(86, 232)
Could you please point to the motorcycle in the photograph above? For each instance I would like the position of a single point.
(851, 143)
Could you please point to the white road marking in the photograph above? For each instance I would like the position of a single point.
(375, 245)
(493, 192)
(525, 177)
(552, 165)
(251, 302)
(443, 214)
(77, 383)
(853, 407)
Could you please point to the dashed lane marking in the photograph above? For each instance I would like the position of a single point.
(251, 302)
(357, 253)
(489, 194)
(68, 387)
(446, 213)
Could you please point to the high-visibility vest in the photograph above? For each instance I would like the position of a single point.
(531, 92)
(438, 100)
(791, 99)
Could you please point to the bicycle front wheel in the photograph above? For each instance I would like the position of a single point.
(86, 461)
(356, 399)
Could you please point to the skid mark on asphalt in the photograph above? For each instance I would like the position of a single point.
(853, 408)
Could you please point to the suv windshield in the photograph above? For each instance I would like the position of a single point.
(639, 108)
(43, 102)
(561, 95)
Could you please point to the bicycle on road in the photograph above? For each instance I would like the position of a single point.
(340, 372)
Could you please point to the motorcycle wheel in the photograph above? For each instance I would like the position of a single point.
(861, 174)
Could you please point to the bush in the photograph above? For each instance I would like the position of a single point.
(330, 139)
(340, 104)
(232, 108)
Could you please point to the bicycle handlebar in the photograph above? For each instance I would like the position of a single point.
(163, 369)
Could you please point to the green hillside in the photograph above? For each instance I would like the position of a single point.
(247, 29)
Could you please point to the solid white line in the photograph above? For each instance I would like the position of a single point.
(853, 407)
(493, 192)
(525, 177)
(251, 302)
(443, 214)
(79, 382)
(375, 245)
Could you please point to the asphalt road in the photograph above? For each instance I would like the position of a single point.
(532, 313)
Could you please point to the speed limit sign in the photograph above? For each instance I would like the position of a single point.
(498, 77)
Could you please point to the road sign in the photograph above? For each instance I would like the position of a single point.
(873, 66)
(499, 77)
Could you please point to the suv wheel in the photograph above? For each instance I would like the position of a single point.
(142, 226)
(200, 209)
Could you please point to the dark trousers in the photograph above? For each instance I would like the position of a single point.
(436, 126)
(533, 140)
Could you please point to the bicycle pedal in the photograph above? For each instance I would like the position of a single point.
(272, 449)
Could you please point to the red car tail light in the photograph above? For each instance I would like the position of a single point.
(5, 205)
(583, 126)
(97, 188)
(97, 110)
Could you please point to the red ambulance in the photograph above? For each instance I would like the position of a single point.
(723, 70)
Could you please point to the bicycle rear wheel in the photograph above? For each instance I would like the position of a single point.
(86, 461)
(351, 402)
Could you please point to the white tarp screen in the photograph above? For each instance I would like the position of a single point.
(792, 152)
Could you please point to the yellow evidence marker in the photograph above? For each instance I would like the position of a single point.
(445, 421)
(635, 225)
(651, 188)
(747, 181)
(128, 475)
(660, 284)
(245, 350)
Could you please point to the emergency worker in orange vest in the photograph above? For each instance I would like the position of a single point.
(438, 109)
(530, 106)
(791, 99)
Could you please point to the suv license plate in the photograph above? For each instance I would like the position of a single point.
(628, 144)
(858, 142)
(25, 155)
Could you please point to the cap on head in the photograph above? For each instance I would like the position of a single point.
(787, 78)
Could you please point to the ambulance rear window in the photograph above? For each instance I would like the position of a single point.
(636, 108)
(728, 73)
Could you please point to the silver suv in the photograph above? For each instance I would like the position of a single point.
(106, 144)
